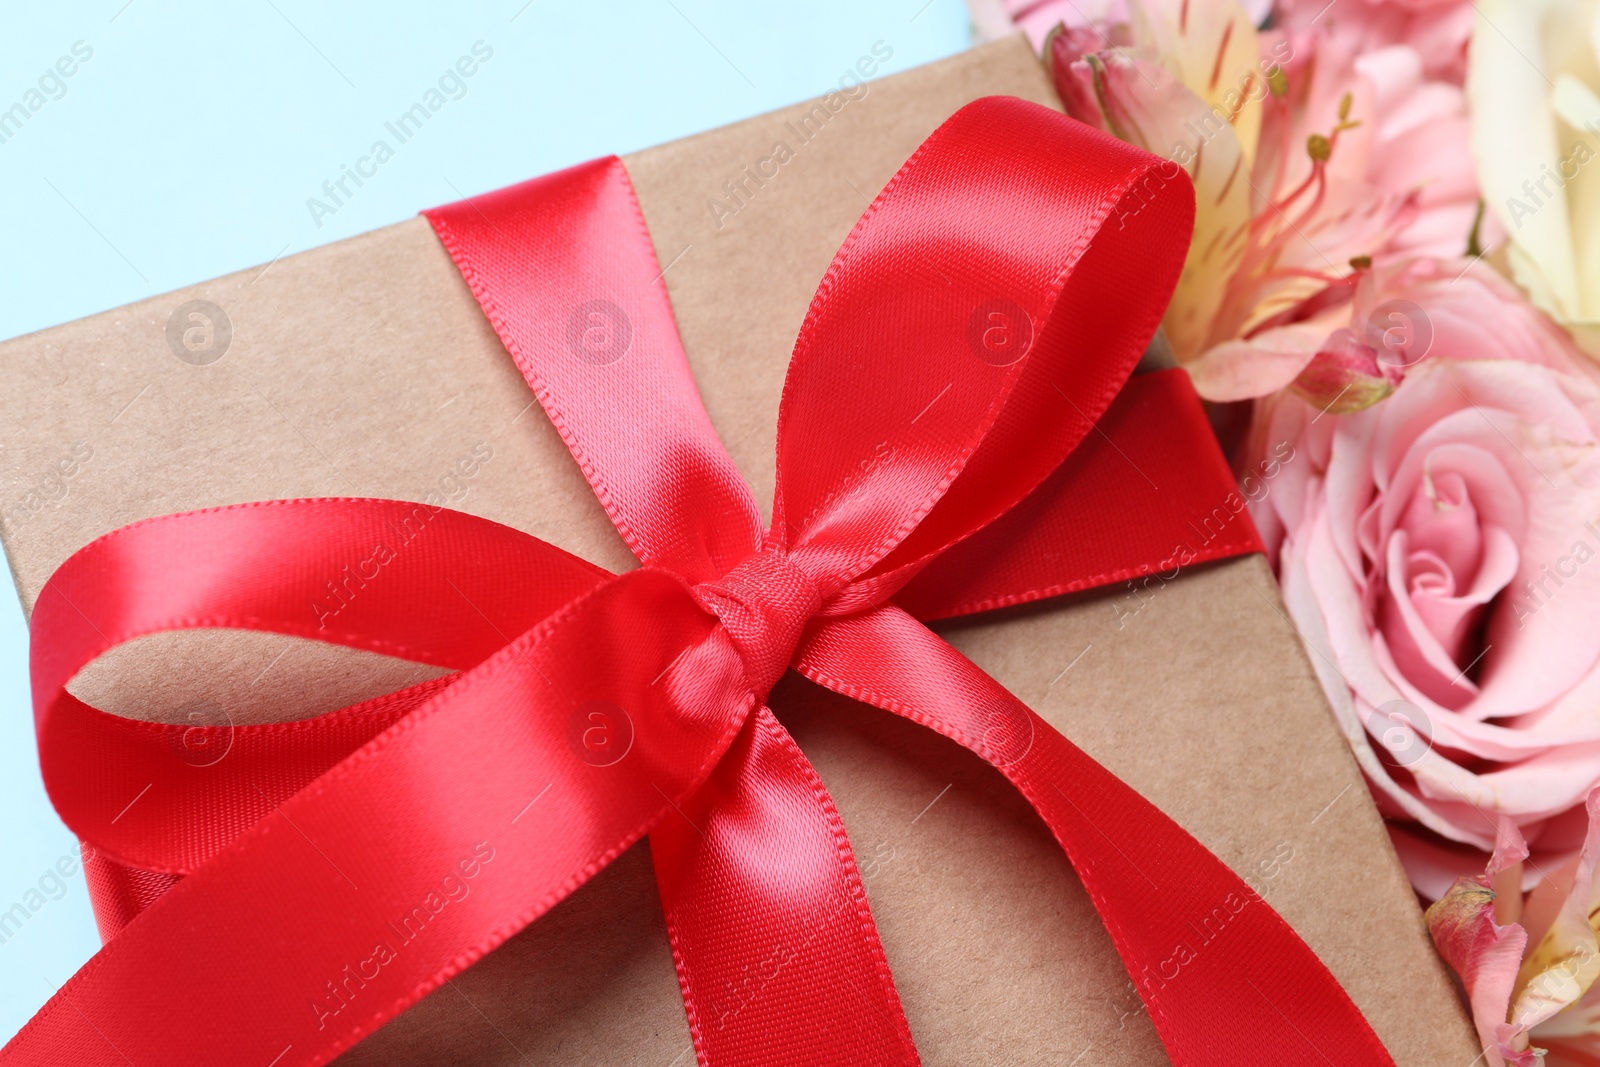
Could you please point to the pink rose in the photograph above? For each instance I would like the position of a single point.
(1439, 552)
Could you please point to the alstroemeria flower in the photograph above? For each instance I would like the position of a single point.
(1534, 83)
(1308, 156)
(1529, 965)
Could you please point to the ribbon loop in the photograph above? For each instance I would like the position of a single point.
(978, 320)
(346, 572)
(594, 336)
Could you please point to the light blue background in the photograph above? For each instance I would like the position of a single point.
(187, 146)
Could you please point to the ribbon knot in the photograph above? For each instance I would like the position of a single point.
(764, 604)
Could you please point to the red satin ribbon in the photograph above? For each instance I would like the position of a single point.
(938, 451)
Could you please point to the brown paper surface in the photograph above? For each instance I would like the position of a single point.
(366, 368)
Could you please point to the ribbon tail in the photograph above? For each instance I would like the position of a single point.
(1144, 494)
(777, 954)
(1250, 990)
(421, 851)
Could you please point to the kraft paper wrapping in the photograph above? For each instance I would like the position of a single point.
(366, 368)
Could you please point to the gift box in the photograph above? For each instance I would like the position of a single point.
(367, 368)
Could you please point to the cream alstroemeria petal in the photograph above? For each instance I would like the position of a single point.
(1566, 962)
(1221, 179)
(1144, 103)
(1575, 103)
(1577, 106)
(1594, 33)
(1513, 140)
(1572, 1031)
(1214, 50)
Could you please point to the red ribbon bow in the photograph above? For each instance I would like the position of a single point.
(292, 897)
